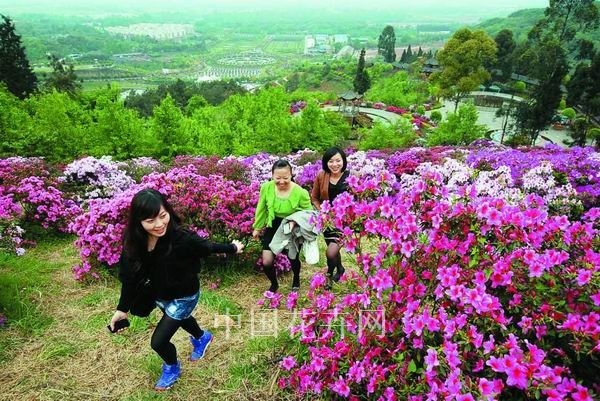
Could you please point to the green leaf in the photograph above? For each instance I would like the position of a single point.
(412, 367)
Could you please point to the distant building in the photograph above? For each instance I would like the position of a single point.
(430, 66)
(345, 52)
(341, 39)
(309, 43)
(321, 40)
(320, 44)
(154, 31)
(397, 66)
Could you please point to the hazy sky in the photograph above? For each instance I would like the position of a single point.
(198, 6)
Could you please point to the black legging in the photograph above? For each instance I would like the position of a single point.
(269, 257)
(166, 328)
(334, 258)
(269, 269)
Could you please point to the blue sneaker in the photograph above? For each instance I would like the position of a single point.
(200, 345)
(170, 374)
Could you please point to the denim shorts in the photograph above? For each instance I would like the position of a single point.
(179, 308)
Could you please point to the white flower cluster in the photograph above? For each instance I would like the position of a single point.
(101, 178)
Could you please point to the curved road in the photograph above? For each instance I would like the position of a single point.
(380, 115)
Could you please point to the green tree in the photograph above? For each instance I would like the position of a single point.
(362, 83)
(59, 128)
(117, 130)
(535, 114)
(260, 122)
(409, 55)
(15, 71)
(564, 18)
(293, 82)
(210, 132)
(585, 49)
(507, 108)
(506, 46)
(386, 46)
(403, 56)
(399, 90)
(14, 124)
(62, 78)
(583, 90)
(214, 93)
(460, 128)
(167, 127)
(462, 60)
(194, 103)
(388, 136)
(314, 128)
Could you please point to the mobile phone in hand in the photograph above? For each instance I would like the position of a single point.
(119, 324)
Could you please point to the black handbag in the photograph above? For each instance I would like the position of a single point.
(144, 301)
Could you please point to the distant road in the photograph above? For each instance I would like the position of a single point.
(380, 115)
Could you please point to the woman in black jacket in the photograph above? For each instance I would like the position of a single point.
(160, 264)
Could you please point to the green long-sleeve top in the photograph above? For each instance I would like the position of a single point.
(270, 206)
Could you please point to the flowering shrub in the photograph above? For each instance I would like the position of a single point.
(215, 206)
(229, 167)
(270, 300)
(14, 169)
(397, 110)
(405, 162)
(579, 166)
(45, 205)
(478, 267)
(140, 166)
(11, 237)
(474, 296)
(97, 178)
(297, 106)
(281, 264)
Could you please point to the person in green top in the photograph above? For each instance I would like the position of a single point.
(279, 198)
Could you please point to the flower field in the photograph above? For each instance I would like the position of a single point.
(476, 275)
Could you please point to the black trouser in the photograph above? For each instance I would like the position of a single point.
(166, 328)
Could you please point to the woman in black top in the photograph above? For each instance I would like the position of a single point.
(160, 263)
(330, 182)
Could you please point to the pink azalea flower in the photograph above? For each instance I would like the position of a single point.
(583, 277)
(288, 363)
(581, 394)
(431, 360)
(517, 376)
(341, 387)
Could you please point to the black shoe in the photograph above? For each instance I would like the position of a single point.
(274, 287)
(296, 288)
(329, 283)
(338, 275)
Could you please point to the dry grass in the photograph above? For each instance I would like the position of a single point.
(75, 358)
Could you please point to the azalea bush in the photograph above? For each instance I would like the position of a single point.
(96, 178)
(461, 293)
(45, 205)
(212, 206)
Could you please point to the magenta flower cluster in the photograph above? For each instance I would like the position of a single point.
(214, 206)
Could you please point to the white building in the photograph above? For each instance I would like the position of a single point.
(154, 31)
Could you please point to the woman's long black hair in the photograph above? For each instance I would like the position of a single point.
(146, 205)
